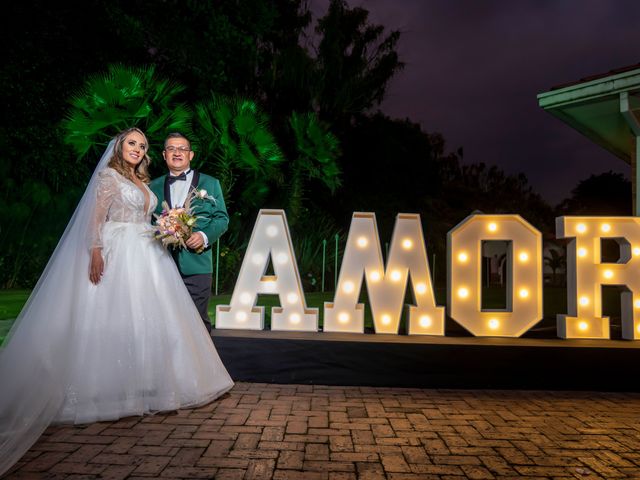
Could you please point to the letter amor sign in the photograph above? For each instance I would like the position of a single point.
(407, 259)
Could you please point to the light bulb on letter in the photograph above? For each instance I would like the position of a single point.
(348, 287)
(272, 230)
(425, 321)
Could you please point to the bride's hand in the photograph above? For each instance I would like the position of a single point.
(97, 266)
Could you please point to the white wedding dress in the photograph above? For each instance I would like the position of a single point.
(132, 344)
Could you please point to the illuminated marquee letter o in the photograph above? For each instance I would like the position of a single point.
(524, 286)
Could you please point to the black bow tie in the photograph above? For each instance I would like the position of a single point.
(182, 176)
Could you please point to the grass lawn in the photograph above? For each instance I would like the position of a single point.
(555, 301)
(11, 302)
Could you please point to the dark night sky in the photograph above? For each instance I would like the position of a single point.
(474, 68)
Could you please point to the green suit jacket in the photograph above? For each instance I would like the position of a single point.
(213, 220)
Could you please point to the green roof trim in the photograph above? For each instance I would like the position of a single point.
(593, 108)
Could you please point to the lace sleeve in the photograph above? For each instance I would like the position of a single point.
(105, 193)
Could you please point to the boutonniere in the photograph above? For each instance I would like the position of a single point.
(202, 194)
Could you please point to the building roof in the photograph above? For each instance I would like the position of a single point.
(594, 106)
(598, 76)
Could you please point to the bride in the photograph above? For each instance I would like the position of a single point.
(109, 330)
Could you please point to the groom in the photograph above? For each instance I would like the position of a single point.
(196, 268)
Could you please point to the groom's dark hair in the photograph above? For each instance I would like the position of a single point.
(176, 135)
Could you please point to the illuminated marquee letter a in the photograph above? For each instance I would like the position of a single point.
(270, 239)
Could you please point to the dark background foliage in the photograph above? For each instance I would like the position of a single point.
(275, 54)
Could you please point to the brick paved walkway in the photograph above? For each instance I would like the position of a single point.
(316, 432)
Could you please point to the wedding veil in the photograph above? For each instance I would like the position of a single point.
(35, 362)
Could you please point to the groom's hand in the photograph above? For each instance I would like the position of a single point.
(195, 241)
(97, 266)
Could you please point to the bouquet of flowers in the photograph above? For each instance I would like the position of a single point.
(175, 225)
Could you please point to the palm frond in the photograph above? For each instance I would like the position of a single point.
(120, 98)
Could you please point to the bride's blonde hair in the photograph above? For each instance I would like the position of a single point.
(119, 164)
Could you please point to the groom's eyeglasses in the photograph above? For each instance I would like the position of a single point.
(172, 149)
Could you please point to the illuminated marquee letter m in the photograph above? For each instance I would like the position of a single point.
(386, 288)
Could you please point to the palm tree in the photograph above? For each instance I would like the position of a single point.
(317, 152)
(555, 260)
(123, 97)
(236, 140)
